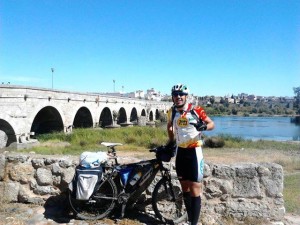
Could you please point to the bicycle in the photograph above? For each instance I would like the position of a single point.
(122, 185)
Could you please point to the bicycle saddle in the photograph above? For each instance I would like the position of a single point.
(110, 144)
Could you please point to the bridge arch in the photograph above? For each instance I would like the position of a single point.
(143, 113)
(7, 134)
(151, 118)
(122, 116)
(83, 118)
(157, 115)
(133, 115)
(47, 120)
(105, 118)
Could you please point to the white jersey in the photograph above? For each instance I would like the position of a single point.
(186, 134)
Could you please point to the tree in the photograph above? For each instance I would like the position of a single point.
(234, 111)
(297, 97)
(212, 99)
(222, 100)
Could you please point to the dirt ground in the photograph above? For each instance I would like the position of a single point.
(23, 214)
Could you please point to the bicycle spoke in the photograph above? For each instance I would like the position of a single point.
(167, 207)
(99, 205)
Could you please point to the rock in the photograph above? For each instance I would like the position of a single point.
(17, 158)
(246, 187)
(44, 176)
(2, 167)
(65, 163)
(21, 172)
(37, 163)
(67, 175)
(223, 171)
(246, 170)
(9, 191)
(46, 190)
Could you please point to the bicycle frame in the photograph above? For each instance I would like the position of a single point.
(130, 196)
(115, 190)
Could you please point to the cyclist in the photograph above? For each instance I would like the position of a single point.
(185, 125)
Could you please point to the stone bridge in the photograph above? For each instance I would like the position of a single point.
(28, 111)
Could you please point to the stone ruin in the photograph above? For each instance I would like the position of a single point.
(238, 192)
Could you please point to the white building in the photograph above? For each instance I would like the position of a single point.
(152, 94)
(137, 94)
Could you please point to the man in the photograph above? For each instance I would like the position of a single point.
(185, 125)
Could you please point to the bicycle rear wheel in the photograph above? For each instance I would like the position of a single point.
(167, 202)
(100, 203)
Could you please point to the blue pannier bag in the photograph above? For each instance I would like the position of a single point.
(85, 182)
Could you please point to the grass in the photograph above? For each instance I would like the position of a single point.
(133, 138)
(291, 193)
(239, 142)
(137, 140)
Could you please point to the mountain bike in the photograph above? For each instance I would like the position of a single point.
(122, 184)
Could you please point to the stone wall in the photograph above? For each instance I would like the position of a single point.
(244, 191)
(241, 191)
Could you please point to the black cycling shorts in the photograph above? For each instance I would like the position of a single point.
(189, 164)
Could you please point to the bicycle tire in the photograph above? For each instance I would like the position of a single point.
(100, 204)
(168, 208)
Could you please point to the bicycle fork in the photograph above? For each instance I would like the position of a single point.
(169, 189)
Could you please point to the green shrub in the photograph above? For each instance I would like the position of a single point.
(214, 142)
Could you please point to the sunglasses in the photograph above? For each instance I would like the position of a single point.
(175, 94)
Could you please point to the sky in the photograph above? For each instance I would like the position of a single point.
(215, 47)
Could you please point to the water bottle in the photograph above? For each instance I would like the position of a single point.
(135, 178)
(125, 174)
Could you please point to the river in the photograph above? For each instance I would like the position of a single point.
(255, 128)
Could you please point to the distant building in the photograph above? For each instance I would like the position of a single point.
(251, 97)
(166, 98)
(152, 94)
(117, 94)
(137, 94)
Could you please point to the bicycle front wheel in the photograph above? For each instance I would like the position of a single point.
(100, 203)
(167, 202)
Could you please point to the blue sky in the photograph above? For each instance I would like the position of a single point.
(215, 47)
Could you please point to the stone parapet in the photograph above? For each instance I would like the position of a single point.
(243, 191)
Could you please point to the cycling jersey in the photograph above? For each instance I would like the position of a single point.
(186, 134)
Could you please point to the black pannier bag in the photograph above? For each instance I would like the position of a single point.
(85, 182)
(165, 153)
